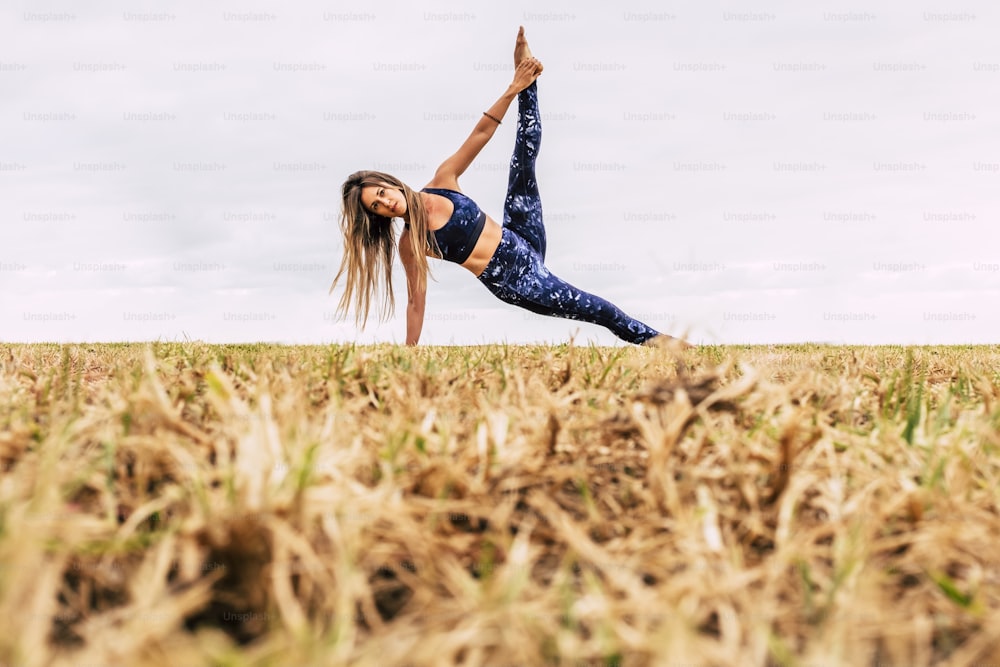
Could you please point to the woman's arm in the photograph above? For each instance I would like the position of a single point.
(415, 298)
(449, 171)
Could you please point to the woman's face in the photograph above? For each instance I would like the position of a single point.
(383, 200)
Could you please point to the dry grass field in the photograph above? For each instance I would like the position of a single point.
(191, 504)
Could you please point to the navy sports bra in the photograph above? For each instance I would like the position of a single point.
(458, 237)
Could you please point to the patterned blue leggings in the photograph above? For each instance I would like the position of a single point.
(517, 273)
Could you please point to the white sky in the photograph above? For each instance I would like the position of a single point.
(769, 172)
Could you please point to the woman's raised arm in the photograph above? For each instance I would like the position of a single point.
(447, 174)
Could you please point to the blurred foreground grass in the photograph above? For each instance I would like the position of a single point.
(192, 504)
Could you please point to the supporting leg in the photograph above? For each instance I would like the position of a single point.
(518, 276)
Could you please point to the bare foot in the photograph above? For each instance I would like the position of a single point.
(521, 50)
(665, 342)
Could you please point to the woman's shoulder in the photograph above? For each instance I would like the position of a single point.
(443, 183)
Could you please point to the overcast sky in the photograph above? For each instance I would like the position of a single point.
(743, 172)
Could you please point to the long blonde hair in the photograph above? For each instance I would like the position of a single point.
(370, 246)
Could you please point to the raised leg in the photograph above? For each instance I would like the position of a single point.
(522, 211)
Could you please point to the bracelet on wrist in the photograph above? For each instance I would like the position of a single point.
(492, 117)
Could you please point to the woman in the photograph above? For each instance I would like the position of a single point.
(442, 222)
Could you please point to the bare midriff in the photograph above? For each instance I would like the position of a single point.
(487, 244)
